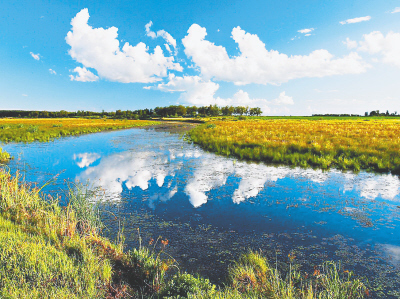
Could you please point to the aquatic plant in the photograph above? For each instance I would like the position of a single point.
(4, 156)
(347, 144)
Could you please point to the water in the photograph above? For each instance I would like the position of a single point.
(212, 208)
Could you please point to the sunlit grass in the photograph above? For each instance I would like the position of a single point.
(354, 144)
(46, 129)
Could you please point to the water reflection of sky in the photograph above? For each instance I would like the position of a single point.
(137, 168)
(180, 182)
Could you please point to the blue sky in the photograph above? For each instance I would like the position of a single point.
(287, 57)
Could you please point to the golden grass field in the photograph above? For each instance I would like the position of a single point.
(359, 143)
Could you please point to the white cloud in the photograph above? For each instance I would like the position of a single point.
(194, 90)
(396, 10)
(84, 75)
(161, 33)
(371, 186)
(35, 56)
(388, 46)
(351, 44)
(53, 72)
(283, 99)
(168, 48)
(304, 31)
(356, 20)
(255, 64)
(24, 95)
(308, 34)
(85, 159)
(242, 98)
(98, 48)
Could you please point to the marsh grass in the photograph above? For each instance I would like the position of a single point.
(4, 156)
(347, 144)
(44, 129)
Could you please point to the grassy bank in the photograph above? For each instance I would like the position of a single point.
(49, 251)
(358, 143)
(29, 130)
(44, 129)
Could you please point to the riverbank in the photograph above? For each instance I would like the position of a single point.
(345, 144)
(47, 129)
(57, 252)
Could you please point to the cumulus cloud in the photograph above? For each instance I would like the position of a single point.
(305, 31)
(35, 56)
(84, 75)
(256, 64)
(196, 91)
(396, 10)
(193, 89)
(242, 98)
(387, 46)
(351, 44)
(161, 33)
(283, 99)
(99, 48)
(53, 72)
(355, 20)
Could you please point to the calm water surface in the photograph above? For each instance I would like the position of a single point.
(212, 208)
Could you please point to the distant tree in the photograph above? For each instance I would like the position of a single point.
(255, 111)
(181, 110)
(213, 110)
(202, 111)
(240, 110)
(374, 113)
(191, 110)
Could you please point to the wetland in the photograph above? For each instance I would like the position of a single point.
(212, 208)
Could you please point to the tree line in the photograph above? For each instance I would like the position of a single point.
(170, 111)
(372, 113)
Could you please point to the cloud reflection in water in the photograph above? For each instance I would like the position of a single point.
(205, 172)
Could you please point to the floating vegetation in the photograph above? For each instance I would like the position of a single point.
(350, 144)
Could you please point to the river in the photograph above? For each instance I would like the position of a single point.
(212, 208)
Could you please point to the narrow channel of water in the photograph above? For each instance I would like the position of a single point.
(212, 208)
